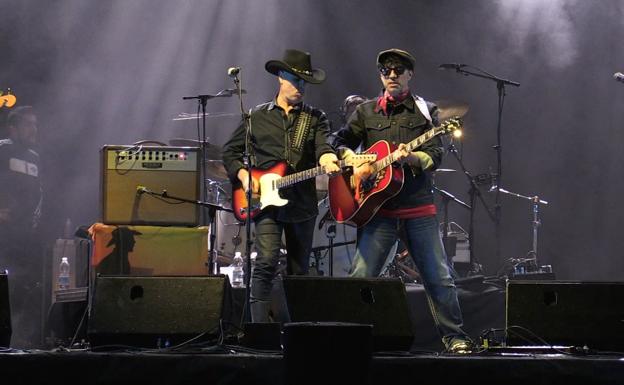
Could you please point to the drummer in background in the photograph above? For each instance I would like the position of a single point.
(348, 107)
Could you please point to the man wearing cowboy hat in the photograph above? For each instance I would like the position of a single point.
(399, 117)
(283, 129)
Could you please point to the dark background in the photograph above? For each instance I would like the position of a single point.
(114, 72)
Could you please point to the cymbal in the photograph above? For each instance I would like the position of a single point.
(194, 116)
(448, 109)
(215, 170)
(212, 151)
(444, 170)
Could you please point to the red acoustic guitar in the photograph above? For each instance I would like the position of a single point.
(347, 205)
(273, 179)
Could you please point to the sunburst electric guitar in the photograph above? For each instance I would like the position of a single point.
(357, 206)
(273, 179)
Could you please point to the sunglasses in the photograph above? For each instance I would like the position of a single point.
(386, 71)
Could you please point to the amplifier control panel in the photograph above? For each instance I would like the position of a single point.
(151, 158)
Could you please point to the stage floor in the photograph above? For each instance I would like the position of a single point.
(235, 365)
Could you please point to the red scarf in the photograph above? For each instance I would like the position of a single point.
(387, 99)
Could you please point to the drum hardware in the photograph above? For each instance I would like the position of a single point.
(474, 193)
(449, 241)
(399, 265)
(211, 151)
(215, 170)
(530, 263)
(316, 251)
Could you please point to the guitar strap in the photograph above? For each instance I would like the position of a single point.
(422, 106)
(302, 128)
(300, 132)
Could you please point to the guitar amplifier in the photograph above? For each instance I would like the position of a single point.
(126, 169)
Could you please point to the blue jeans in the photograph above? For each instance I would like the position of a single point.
(422, 238)
(268, 243)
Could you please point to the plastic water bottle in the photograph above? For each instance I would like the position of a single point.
(238, 275)
(63, 276)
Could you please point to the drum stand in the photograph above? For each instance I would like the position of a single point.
(475, 193)
(446, 199)
(530, 263)
(213, 265)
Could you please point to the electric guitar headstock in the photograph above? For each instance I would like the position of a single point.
(7, 100)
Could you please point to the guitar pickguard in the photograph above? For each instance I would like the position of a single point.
(370, 185)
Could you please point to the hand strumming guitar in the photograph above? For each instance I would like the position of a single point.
(243, 176)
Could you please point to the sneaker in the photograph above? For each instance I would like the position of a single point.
(460, 346)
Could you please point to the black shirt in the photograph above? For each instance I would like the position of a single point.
(272, 133)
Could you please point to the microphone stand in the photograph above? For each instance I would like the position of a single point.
(212, 209)
(500, 86)
(331, 234)
(246, 117)
(536, 202)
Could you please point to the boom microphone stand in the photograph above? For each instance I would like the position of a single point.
(500, 86)
(212, 209)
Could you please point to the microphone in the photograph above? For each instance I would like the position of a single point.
(141, 189)
(619, 77)
(450, 66)
(233, 71)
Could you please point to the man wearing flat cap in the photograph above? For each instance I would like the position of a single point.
(283, 129)
(398, 117)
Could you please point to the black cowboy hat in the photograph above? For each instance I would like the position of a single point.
(297, 63)
(404, 55)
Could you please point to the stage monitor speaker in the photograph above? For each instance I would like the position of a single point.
(336, 347)
(381, 302)
(5, 311)
(125, 169)
(565, 313)
(155, 311)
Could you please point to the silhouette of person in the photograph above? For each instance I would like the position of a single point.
(116, 262)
